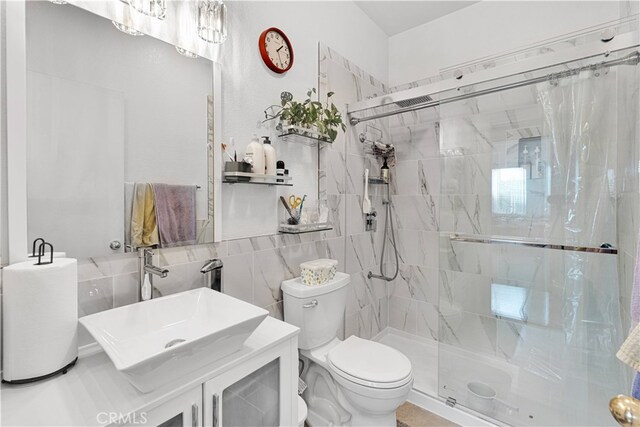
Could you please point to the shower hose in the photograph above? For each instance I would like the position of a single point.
(388, 224)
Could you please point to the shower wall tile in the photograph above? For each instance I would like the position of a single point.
(470, 332)
(403, 314)
(467, 174)
(415, 282)
(416, 212)
(427, 318)
(466, 214)
(467, 257)
(416, 141)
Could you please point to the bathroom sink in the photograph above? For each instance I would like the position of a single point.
(154, 342)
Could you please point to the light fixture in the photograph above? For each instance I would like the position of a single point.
(185, 52)
(127, 30)
(212, 21)
(152, 8)
(58, 1)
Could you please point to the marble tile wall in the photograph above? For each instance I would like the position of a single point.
(342, 164)
(415, 186)
(253, 271)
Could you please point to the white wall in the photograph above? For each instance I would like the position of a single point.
(485, 29)
(249, 87)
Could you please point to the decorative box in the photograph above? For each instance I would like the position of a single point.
(318, 272)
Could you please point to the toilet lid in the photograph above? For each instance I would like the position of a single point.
(370, 363)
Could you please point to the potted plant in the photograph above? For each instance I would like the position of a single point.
(309, 118)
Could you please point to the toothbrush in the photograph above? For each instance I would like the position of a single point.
(224, 150)
(366, 203)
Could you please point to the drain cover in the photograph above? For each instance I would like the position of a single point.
(174, 342)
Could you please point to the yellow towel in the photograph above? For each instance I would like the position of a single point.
(144, 228)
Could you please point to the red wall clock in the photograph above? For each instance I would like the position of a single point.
(276, 50)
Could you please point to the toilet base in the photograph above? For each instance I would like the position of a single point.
(329, 406)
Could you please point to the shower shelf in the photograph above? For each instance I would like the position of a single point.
(303, 136)
(244, 178)
(377, 181)
(304, 228)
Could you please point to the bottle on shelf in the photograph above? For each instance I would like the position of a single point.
(254, 155)
(270, 159)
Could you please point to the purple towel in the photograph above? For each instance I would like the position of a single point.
(176, 214)
(635, 388)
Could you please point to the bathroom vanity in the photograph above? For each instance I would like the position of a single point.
(256, 385)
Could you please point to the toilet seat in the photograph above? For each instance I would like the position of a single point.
(370, 364)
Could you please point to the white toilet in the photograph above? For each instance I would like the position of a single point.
(355, 382)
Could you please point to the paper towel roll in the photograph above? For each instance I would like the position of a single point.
(39, 318)
(47, 256)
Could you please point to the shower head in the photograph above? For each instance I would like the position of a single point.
(403, 103)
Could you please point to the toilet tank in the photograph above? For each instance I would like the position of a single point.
(317, 310)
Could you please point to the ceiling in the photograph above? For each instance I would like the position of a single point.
(395, 16)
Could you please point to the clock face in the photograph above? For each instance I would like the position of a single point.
(276, 50)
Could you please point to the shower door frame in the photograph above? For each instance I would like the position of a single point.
(621, 42)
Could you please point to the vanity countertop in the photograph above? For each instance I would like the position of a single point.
(94, 386)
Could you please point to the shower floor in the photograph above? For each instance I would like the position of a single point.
(524, 402)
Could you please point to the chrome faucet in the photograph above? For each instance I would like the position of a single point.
(213, 274)
(150, 268)
(145, 266)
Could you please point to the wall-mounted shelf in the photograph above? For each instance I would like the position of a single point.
(300, 135)
(377, 181)
(304, 228)
(245, 178)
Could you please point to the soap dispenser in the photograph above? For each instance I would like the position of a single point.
(254, 155)
(270, 159)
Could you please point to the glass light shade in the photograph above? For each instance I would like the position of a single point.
(153, 8)
(185, 52)
(127, 30)
(212, 21)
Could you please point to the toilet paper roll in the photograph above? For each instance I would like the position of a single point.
(39, 318)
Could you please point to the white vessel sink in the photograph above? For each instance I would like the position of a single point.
(154, 342)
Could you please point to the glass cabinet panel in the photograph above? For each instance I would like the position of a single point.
(176, 421)
(254, 400)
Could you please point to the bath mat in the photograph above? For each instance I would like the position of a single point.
(410, 415)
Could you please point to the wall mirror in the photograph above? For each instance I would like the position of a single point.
(119, 130)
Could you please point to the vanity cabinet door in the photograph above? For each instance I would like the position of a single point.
(182, 411)
(255, 393)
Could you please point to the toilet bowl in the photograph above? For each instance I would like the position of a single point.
(302, 412)
(355, 382)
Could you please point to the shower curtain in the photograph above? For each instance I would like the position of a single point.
(580, 123)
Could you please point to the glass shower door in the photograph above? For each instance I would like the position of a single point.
(530, 321)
